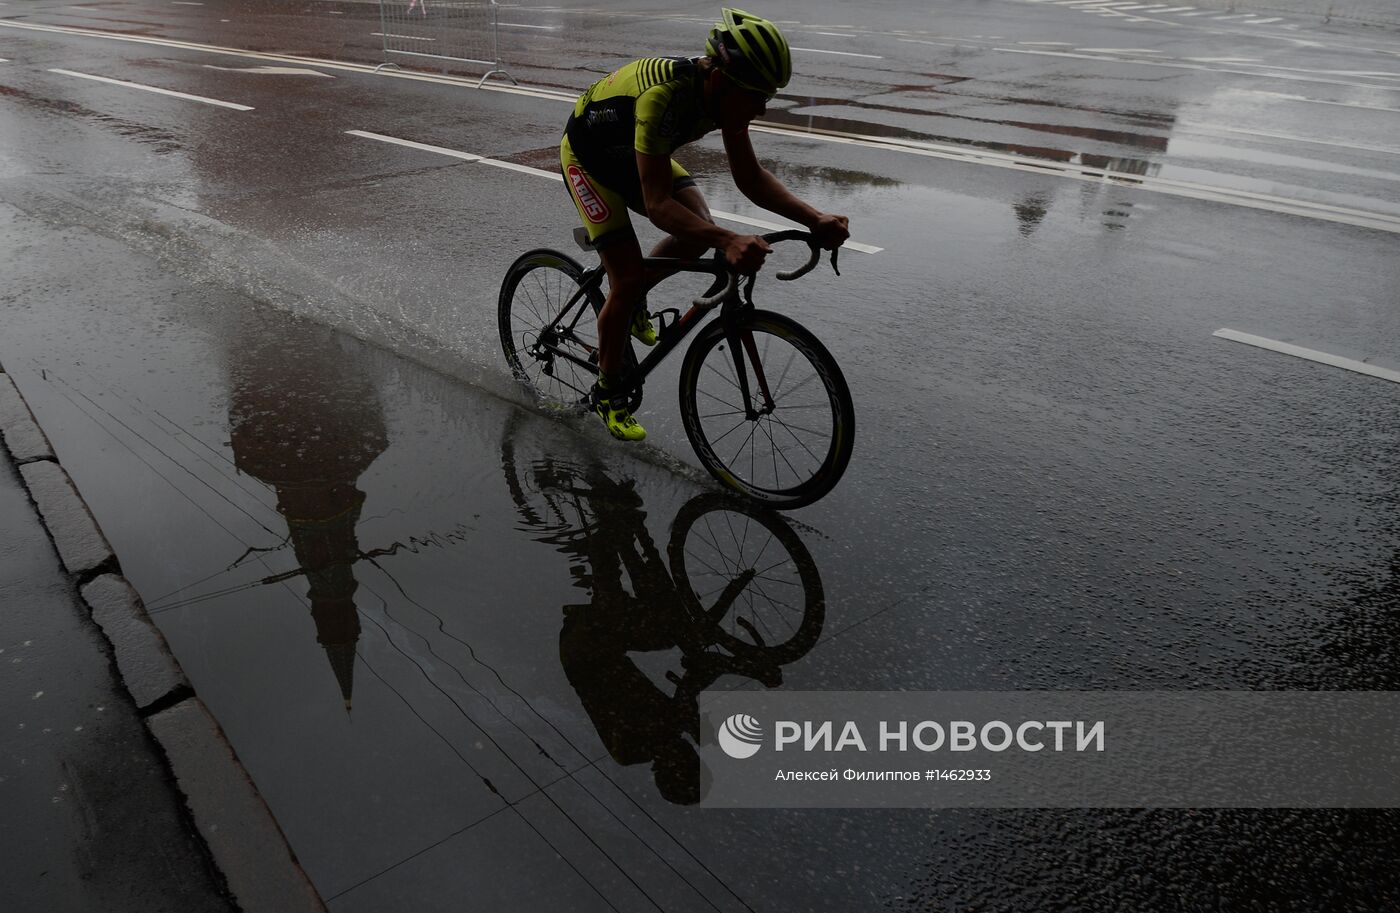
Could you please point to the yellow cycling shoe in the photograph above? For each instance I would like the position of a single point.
(620, 422)
(643, 330)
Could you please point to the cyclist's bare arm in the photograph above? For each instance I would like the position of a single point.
(759, 185)
(744, 252)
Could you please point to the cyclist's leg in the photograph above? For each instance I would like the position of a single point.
(689, 195)
(604, 215)
(623, 261)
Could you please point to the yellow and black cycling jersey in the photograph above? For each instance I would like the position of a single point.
(652, 106)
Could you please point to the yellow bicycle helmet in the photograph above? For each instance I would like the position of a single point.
(751, 51)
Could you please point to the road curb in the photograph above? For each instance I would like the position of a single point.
(247, 845)
(22, 435)
(238, 830)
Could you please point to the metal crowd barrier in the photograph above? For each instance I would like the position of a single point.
(466, 31)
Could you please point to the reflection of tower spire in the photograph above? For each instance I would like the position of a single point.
(322, 521)
(342, 657)
(306, 421)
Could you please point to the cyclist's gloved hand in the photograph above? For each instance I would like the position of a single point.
(745, 253)
(831, 231)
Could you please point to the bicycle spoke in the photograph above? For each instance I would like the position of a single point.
(732, 381)
(801, 442)
(786, 368)
(731, 431)
(779, 452)
(722, 402)
(775, 418)
(811, 377)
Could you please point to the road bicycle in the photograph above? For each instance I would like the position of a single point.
(763, 402)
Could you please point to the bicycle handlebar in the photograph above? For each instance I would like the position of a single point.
(791, 234)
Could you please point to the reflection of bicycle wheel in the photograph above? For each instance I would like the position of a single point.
(745, 575)
(538, 487)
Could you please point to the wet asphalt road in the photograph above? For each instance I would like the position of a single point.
(437, 625)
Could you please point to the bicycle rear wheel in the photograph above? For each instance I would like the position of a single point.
(537, 288)
(793, 447)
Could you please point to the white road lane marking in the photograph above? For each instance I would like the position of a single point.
(271, 71)
(1247, 199)
(1321, 101)
(839, 53)
(944, 44)
(1216, 130)
(555, 176)
(405, 37)
(521, 25)
(1336, 361)
(137, 85)
(1360, 218)
(440, 150)
(1274, 73)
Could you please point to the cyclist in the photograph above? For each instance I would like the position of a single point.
(616, 155)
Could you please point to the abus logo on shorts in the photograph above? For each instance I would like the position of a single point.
(594, 208)
(741, 736)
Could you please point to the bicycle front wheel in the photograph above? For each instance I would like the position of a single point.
(555, 357)
(791, 446)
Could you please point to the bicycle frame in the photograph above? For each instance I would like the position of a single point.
(674, 334)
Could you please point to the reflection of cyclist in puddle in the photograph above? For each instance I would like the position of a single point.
(736, 592)
(637, 721)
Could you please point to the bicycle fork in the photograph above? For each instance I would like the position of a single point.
(741, 342)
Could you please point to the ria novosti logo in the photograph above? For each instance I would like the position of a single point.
(741, 736)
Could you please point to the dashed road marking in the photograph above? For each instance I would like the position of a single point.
(554, 176)
(440, 150)
(1248, 199)
(1273, 72)
(839, 53)
(1216, 130)
(1366, 219)
(1324, 358)
(137, 85)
